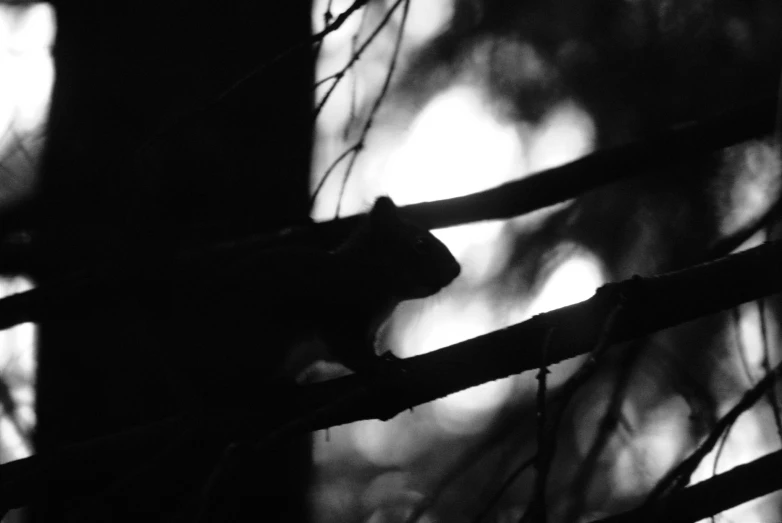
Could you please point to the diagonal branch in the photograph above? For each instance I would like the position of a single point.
(650, 304)
(680, 476)
(511, 199)
(551, 186)
(712, 496)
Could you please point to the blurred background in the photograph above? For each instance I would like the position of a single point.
(420, 100)
(26, 76)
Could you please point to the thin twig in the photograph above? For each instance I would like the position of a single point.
(541, 465)
(351, 150)
(378, 101)
(608, 423)
(9, 409)
(359, 145)
(720, 450)
(711, 496)
(619, 296)
(502, 429)
(314, 39)
(664, 301)
(741, 350)
(717, 456)
(506, 484)
(328, 16)
(773, 400)
(354, 58)
(354, 80)
(680, 476)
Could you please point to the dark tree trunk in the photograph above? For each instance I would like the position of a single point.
(140, 160)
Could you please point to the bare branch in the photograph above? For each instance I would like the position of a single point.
(680, 476)
(559, 184)
(650, 304)
(554, 185)
(313, 40)
(359, 145)
(712, 496)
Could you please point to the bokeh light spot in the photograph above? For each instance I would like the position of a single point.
(455, 147)
(384, 443)
(575, 280)
(426, 19)
(566, 133)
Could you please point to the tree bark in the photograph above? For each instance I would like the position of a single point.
(138, 148)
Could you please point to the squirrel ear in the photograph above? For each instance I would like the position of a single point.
(383, 209)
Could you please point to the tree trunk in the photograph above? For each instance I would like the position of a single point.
(140, 160)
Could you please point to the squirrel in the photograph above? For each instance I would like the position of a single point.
(242, 322)
(226, 326)
(387, 260)
(289, 295)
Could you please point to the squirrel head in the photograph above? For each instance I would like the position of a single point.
(412, 261)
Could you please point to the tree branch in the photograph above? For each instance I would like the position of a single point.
(650, 304)
(508, 200)
(551, 186)
(712, 496)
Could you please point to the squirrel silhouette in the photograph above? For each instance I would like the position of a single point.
(232, 331)
(224, 324)
(235, 328)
